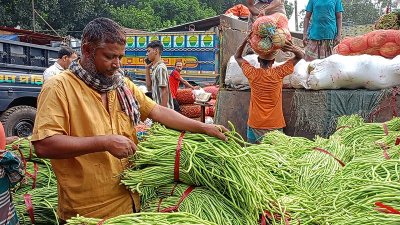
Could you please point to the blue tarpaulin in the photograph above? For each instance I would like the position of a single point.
(11, 37)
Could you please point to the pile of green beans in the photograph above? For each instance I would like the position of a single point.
(290, 147)
(45, 177)
(223, 167)
(24, 146)
(201, 202)
(44, 202)
(180, 218)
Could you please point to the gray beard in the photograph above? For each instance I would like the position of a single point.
(104, 79)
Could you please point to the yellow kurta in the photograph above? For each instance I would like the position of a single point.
(88, 185)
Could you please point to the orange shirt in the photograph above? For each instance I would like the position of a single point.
(88, 185)
(265, 111)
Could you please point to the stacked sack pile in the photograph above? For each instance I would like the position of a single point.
(384, 43)
(269, 34)
(210, 111)
(186, 99)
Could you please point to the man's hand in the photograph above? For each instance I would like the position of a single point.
(290, 47)
(305, 40)
(119, 146)
(216, 131)
(239, 52)
(148, 66)
(338, 39)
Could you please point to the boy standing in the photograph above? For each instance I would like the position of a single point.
(265, 111)
(157, 81)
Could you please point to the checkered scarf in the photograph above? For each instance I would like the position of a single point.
(128, 102)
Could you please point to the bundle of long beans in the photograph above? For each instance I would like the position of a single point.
(200, 201)
(38, 174)
(24, 149)
(44, 205)
(180, 218)
(223, 167)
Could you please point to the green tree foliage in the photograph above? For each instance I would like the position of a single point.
(70, 17)
(360, 12)
(289, 7)
(220, 6)
(73, 15)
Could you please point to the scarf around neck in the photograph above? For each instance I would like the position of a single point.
(128, 101)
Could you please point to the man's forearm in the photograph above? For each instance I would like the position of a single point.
(306, 23)
(187, 84)
(164, 96)
(64, 147)
(174, 120)
(339, 25)
(148, 80)
(239, 51)
(298, 55)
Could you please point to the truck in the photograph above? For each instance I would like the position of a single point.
(198, 51)
(21, 68)
(22, 65)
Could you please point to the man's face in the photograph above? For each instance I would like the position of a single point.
(107, 58)
(179, 66)
(70, 59)
(152, 54)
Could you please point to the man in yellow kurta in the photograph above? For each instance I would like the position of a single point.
(85, 125)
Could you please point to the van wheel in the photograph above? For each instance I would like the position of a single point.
(18, 121)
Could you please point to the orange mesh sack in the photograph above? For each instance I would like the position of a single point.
(358, 44)
(376, 39)
(390, 50)
(191, 111)
(239, 10)
(185, 96)
(213, 90)
(379, 42)
(269, 33)
(397, 38)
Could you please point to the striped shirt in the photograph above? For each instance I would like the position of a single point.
(159, 79)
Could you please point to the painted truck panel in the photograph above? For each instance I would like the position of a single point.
(199, 52)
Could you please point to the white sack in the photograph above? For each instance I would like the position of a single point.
(234, 76)
(352, 72)
(299, 77)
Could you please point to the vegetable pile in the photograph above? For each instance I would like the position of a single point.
(183, 178)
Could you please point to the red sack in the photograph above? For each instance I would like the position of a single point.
(358, 44)
(191, 111)
(372, 51)
(213, 102)
(265, 26)
(397, 38)
(376, 39)
(390, 50)
(239, 10)
(269, 33)
(185, 96)
(343, 49)
(380, 42)
(213, 90)
(210, 111)
(2, 138)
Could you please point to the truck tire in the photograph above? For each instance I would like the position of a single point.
(18, 121)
